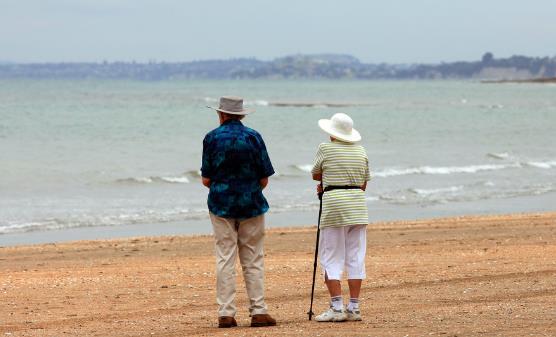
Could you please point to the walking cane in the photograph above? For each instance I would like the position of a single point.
(310, 313)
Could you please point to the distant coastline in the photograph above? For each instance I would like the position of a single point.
(532, 80)
(319, 66)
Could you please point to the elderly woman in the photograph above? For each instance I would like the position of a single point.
(342, 168)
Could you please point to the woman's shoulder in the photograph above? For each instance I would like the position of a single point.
(342, 147)
(323, 146)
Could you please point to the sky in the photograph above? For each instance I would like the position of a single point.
(391, 31)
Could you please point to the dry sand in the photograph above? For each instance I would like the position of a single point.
(489, 275)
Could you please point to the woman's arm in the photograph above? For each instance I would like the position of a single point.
(318, 177)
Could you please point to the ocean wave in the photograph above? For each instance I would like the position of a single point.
(298, 170)
(464, 193)
(483, 190)
(257, 102)
(295, 104)
(491, 106)
(154, 179)
(210, 100)
(303, 167)
(501, 155)
(446, 170)
(316, 104)
(542, 164)
(427, 192)
(294, 206)
(90, 220)
(442, 169)
(518, 191)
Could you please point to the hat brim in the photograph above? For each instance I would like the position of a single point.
(326, 126)
(242, 112)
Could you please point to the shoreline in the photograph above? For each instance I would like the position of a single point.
(379, 213)
(378, 225)
(465, 275)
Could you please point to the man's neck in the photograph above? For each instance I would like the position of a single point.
(228, 120)
(224, 118)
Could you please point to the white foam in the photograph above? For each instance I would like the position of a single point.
(304, 167)
(178, 180)
(258, 102)
(501, 155)
(542, 164)
(155, 179)
(441, 170)
(94, 220)
(140, 180)
(491, 106)
(442, 190)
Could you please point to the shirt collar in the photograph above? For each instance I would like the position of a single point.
(232, 121)
(335, 140)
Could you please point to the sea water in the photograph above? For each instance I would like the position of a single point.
(98, 159)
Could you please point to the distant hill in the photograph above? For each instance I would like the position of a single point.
(319, 66)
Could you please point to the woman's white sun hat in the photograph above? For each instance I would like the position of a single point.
(340, 126)
(231, 105)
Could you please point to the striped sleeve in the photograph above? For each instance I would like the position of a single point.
(317, 166)
(367, 171)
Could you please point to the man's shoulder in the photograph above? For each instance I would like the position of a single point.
(222, 132)
(251, 131)
(216, 132)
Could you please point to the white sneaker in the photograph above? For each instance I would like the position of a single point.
(332, 315)
(354, 315)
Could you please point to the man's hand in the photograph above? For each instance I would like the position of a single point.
(206, 182)
(263, 182)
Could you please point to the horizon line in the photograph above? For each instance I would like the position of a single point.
(156, 61)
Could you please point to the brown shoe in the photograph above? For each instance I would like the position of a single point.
(226, 322)
(262, 320)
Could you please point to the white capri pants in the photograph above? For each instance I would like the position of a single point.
(343, 247)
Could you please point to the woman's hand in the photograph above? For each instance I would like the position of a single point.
(319, 189)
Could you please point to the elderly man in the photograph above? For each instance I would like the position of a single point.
(236, 168)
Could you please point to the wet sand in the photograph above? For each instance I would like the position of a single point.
(487, 275)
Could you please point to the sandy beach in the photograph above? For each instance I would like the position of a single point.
(487, 275)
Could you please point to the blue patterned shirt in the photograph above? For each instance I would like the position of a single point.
(235, 159)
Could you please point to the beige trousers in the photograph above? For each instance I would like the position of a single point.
(244, 238)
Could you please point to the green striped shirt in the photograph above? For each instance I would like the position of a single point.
(341, 164)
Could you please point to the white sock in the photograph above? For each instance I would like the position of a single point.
(353, 304)
(337, 302)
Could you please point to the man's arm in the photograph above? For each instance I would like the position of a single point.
(206, 182)
(317, 176)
